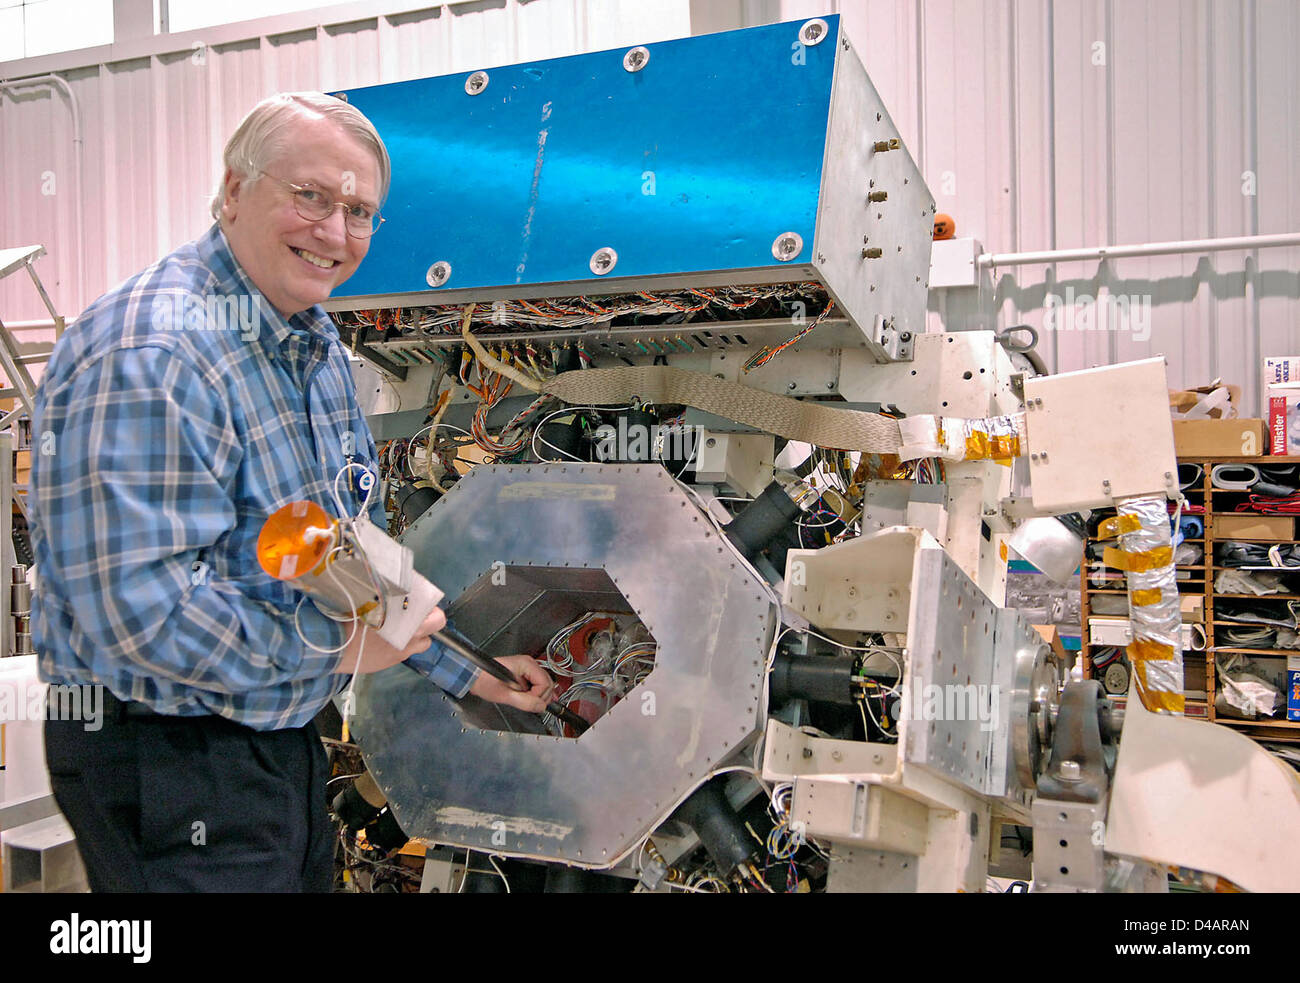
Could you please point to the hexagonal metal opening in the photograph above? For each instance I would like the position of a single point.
(575, 621)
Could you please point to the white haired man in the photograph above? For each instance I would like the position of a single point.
(186, 406)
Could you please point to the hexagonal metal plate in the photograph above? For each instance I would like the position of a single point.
(590, 801)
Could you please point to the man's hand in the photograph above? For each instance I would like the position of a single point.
(526, 668)
(378, 654)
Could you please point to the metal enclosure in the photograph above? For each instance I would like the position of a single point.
(738, 158)
(455, 775)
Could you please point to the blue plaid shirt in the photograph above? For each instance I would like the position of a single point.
(176, 414)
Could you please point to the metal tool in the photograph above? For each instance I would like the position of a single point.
(463, 647)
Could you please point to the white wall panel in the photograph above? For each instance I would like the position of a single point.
(1022, 134)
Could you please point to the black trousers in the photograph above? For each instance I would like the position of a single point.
(164, 803)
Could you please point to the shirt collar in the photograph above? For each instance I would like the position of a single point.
(275, 330)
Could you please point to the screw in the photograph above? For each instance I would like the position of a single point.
(439, 273)
(807, 752)
(636, 59)
(476, 83)
(791, 385)
(1069, 771)
(603, 260)
(905, 336)
(830, 386)
(1033, 457)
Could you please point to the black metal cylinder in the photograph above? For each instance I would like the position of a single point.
(352, 808)
(385, 833)
(821, 678)
(709, 813)
(562, 441)
(762, 520)
(414, 501)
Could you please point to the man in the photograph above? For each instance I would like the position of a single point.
(182, 409)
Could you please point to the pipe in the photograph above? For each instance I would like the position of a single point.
(985, 260)
(79, 218)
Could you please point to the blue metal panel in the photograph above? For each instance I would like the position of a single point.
(523, 182)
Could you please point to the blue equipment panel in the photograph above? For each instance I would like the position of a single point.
(695, 163)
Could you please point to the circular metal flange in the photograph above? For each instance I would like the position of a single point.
(1115, 679)
(813, 32)
(787, 246)
(603, 260)
(439, 273)
(1035, 701)
(636, 58)
(476, 83)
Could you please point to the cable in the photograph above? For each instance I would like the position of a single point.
(493, 861)
(481, 353)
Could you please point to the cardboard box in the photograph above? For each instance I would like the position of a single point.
(1283, 419)
(1183, 401)
(1281, 370)
(1280, 527)
(1115, 631)
(1293, 687)
(1219, 438)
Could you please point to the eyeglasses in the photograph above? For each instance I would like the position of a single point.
(316, 206)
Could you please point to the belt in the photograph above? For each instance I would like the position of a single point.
(120, 711)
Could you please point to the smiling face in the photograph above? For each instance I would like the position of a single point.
(294, 261)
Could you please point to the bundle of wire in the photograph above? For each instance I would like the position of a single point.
(572, 312)
(602, 682)
(766, 354)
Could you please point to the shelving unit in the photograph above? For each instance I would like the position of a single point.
(1218, 504)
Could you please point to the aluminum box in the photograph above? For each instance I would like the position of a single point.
(690, 169)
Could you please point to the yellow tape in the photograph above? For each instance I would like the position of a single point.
(1161, 556)
(1144, 648)
(1156, 700)
(1146, 598)
(1118, 524)
(1001, 448)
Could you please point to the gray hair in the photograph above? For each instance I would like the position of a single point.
(255, 141)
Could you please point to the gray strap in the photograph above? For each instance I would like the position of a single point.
(814, 423)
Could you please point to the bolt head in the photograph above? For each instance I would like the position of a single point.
(1070, 771)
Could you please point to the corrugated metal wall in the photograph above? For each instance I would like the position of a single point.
(1038, 124)
(156, 116)
(1044, 124)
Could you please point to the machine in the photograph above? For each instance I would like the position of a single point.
(645, 350)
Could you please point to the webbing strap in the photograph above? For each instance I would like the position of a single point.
(814, 423)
